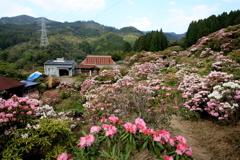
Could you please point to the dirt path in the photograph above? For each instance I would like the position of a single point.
(186, 129)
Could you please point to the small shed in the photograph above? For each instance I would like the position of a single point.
(30, 87)
(60, 67)
(93, 63)
(10, 87)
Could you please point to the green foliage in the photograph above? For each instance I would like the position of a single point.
(235, 55)
(107, 42)
(200, 28)
(171, 79)
(47, 139)
(153, 41)
(127, 47)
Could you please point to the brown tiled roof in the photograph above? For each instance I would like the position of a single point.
(86, 66)
(7, 83)
(98, 60)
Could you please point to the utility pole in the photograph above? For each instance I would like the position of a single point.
(44, 39)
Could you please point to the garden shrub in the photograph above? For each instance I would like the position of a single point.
(46, 139)
(217, 95)
(15, 113)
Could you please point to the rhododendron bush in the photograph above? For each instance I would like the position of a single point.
(114, 139)
(15, 112)
(217, 94)
(129, 99)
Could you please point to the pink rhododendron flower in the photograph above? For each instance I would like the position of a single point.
(183, 149)
(113, 119)
(141, 125)
(110, 130)
(63, 156)
(82, 143)
(132, 128)
(180, 139)
(95, 129)
(89, 140)
(148, 131)
(103, 120)
(86, 141)
(168, 158)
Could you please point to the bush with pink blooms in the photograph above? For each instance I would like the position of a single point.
(114, 139)
(51, 97)
(217, 95)
(15, 112)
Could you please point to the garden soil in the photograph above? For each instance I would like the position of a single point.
(209, 140)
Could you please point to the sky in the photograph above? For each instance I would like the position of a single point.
(145, 15)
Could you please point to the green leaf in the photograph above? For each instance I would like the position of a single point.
(177, 157)
(113, 150)
(84, 133)
(144, 145)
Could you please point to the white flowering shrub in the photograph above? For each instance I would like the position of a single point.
(217, 94)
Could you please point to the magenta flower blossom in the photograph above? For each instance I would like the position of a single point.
(148, 132)
(110, 130)
(86, 141)
(103, 120)
(113, 119)
(180, 139)
(82, 143)
(95, 129)
(132, 128)
(63, 156)
(183, 149)
(168, 158)
(141, 125)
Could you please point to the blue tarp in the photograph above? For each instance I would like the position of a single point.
(34, 76)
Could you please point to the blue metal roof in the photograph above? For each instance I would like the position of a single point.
(29, 83)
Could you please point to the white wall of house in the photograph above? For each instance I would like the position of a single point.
(54, 70)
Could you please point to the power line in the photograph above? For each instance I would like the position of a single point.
(78, 6)
(77, 10)
(107, 9)
(65, 9)
(56, 8)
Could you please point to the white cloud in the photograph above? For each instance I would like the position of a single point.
(229, 0)
(142, 23)
(179, 19)
(10, 9)
(70, 5)
(130, 1)
(201, 11)
(172, 3)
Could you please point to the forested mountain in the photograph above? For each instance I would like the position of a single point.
(204, 27)
(20, 40)
(22, 19)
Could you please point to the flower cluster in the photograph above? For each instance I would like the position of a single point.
(217, 95)
(130, 136)
(15, 113)
(224, 101)
(64, 85)
(108, 76)
(51, 97)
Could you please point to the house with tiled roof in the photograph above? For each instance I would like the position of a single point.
(60, 67)
(93, 63)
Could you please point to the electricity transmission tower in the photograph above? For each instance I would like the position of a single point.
(44, 39)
